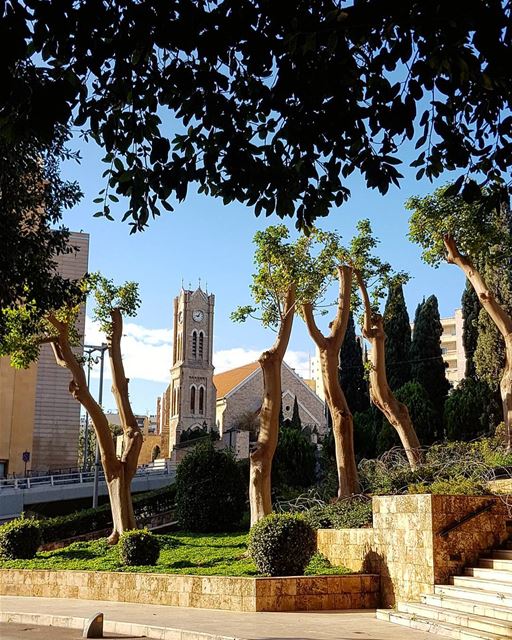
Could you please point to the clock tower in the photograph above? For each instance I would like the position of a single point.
(192, 394)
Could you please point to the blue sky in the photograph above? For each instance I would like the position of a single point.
(203, 239)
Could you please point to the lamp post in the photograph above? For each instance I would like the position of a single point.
(90, 349)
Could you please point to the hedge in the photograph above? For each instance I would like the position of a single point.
(75, 524)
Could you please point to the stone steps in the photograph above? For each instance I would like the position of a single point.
(477, 605)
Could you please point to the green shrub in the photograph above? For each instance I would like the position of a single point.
(19, 539)
(210, 494)
(138, 547)
(282, 544)
(350, 513)
(294, 461)
(450, 487)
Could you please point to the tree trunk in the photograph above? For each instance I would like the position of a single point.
(501, 319)
(381, 395)
(329, 348)
(118, 473)
(260, 496)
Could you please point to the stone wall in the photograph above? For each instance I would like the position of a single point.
(207, 592)
(405, 545)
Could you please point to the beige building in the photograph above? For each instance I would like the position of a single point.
(240, 390)
(197, 399)
(452, 347)
(38, 415)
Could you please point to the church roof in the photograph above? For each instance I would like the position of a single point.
(227, 381)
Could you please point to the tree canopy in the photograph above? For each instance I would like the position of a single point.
(272, 104)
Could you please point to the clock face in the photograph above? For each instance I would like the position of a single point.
(197, 315)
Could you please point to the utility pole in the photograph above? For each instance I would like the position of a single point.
(103, 348)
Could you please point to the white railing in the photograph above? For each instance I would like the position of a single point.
(82, 477)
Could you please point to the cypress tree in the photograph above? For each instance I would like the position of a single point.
(351, 371)
(398, 338)
(427, 365)
(470, 312)
(295, 422)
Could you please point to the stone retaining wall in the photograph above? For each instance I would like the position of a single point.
(405, 545)
(208, 592)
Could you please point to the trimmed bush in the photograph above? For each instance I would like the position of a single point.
(282, 544)
(210, 493)
(138, 547)
(350, 513)
(19, 539)
(458, 486)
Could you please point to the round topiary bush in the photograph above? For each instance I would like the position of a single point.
(282, 544)
(19, 539)
(138, 547)
(210, 493)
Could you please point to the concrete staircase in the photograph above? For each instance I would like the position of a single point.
(477, 605)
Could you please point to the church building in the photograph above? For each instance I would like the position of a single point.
(197, 399)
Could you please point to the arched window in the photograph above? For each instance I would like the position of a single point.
(201, 400)
(201, 345)
(193, 398)
(194, 344)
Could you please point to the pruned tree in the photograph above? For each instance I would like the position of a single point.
(28, 330)
(448, 228)
(368, 268)
(327, 263)
(274, 290)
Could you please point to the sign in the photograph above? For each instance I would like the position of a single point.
(25, 456)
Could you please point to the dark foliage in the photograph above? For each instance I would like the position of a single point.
(210, 494)
(32, 199)
(282, 544)
(367, 425)
(427, 365)
(138, 548)
(294, 461)
(348, 85)
(19, 539)
(351, 371)
(471, 410)
(350, 513)
(470, 311)
(397, 328)
(145, 505)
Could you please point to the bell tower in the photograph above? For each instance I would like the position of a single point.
(192, 393)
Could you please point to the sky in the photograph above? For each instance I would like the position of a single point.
(204, 241)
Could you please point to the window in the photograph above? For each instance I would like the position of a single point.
(194, 344)
(201, 345)
(193, 399)
(201, 400)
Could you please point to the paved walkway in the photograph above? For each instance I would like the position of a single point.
(174, 623)
(9, 631)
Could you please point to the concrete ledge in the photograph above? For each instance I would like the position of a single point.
(304, 593)
(109, 626)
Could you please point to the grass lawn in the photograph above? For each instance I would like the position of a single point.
(223, 554)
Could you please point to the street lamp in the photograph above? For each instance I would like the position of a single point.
(90, 349)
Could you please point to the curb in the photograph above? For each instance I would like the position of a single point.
(110, 626)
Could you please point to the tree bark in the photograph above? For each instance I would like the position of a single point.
(381, 395)
(329, 349)
(501, 319)
(118, 473)
(260, 497)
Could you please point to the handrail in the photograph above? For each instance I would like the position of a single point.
(472, 514)
(76, 478)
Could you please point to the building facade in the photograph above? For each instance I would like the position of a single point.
(191, 391)
(38, 415)
(452, 347)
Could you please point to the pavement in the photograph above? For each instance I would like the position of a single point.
(10, 631)
(175, 623)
